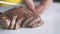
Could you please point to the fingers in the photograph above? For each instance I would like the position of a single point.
(30, 4)
(43, 5)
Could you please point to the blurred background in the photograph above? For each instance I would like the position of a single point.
(51, 18)
(54, 0)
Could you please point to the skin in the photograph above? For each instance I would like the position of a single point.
(40, 8)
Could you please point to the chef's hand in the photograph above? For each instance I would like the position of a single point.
(39, 8)
(29, 4)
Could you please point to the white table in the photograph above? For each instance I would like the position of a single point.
(51, 18)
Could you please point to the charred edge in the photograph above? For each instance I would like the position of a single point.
(16, 22)
(22, 22)
(15, 25)
(30, 22)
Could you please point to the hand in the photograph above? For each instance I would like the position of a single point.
(40, 8)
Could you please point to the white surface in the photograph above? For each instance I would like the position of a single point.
(51, 19)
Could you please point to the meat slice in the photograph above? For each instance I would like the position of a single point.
(20, 17)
